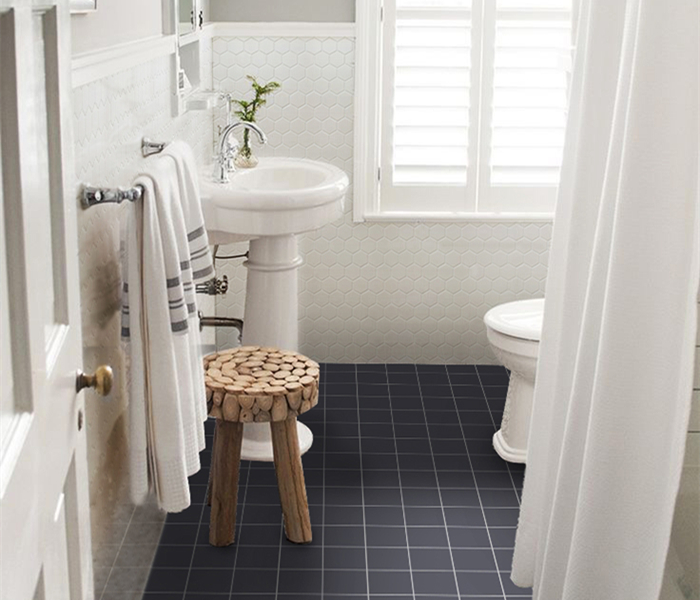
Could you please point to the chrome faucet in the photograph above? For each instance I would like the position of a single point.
(228, 148)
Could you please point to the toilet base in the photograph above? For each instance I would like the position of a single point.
(510, 441)
(514, 455)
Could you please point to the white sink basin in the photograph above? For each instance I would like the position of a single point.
(280, 196)
(269, 205)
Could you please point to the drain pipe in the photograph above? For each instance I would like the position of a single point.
(220, 322)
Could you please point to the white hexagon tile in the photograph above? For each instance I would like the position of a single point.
(373, 292)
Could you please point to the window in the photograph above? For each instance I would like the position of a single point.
(461, 106)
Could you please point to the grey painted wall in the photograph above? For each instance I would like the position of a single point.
(116, 22)
(323, 11)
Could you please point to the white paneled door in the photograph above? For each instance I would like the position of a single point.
(44, 506)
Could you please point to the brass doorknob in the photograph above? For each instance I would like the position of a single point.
(101, 381)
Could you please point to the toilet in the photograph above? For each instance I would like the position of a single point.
(514, 331)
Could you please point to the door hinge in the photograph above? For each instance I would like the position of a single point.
(379, 173)
(381, 14)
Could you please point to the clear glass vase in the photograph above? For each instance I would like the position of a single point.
(245, 159)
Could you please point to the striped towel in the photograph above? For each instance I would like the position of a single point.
(163, 245)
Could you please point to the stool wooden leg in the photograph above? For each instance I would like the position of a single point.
(290, 479)
(211, 472)
(226, 462)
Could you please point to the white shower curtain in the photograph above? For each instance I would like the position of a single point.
(613, 389)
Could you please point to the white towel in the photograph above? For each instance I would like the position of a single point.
(200, 260)
(161, 341)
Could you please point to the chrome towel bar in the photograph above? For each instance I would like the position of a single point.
(92, 196)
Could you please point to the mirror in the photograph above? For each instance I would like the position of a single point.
(186, 17)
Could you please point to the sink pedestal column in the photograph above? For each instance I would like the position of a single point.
(271, 319)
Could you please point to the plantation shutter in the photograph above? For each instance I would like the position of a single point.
(427, 98)
(527, 49)
(474, 100)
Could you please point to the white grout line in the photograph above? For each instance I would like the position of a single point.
(496, 425)
(476, 485)
(439, 489)
(362, 488)
(398, 470)
(116, 556)
(194, 549)
(239, 525)
(323, 494)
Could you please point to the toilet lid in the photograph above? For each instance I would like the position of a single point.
(521, 319)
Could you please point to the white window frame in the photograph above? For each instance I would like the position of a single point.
(372, 77)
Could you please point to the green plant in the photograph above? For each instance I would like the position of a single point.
(247, 109)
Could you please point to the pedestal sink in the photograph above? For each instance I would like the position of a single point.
(269, 205)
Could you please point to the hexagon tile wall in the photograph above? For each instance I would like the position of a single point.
(373, 292)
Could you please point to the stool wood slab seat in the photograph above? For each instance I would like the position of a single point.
(261, 385)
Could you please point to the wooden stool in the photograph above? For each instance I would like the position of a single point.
(261, 385)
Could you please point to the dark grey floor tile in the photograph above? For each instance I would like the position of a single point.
(477, 417)
(513, 590)
(378, 446)
(297, 556)
(344, 536)
(455, 479)
(394, 559)
(463, 497)
(413, 446)
(173, 556)
(347, 478)
(224, 558)
(301, 582)
(421, 497)
(469, 537)
(343, 496)
(342, 461)
(411, 431)
(366, 498)
(465, 516)
(344, 558)
(494, 479)
(418, 479)
(503, 537)
(504, 558)
(473, 583)
(390, 582)
(375, 416)
(384, 515)
(211, 581)
(343, 515)
(374, 462)
(179, 534)
(417, 515)
(345, 582)
(434, 582)
(166, 580)
(382, 497)
(427, 537)
(385, 536)
(473, 559)
(499, 498)
(259, 535)
(444, 431)
(431, 559)
(383, 479)
(457, 447)
(418, 462)
(502, 517)
(254, 581)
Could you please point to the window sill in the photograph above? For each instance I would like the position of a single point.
(456, 217)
